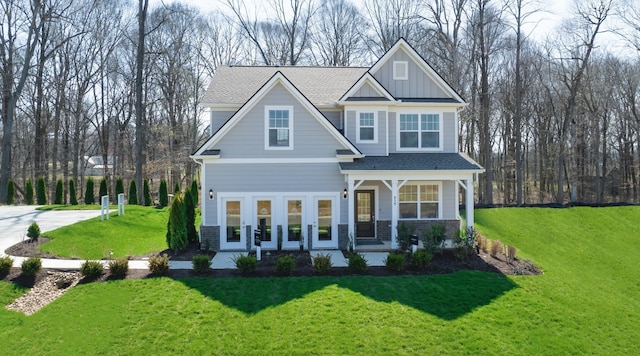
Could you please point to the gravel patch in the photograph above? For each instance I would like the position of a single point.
(45, 292)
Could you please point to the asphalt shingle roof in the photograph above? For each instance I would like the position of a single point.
(412, 162)
(321, 85)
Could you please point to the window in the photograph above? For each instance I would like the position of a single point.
(367, 127)
(419, 131)
(419, 201)
(400, 70)
(279, 127)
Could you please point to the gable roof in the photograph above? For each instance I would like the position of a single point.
(402, 44)
(235, 85)
(277, 78)
(367, 79)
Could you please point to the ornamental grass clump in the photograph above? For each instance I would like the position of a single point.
(119, 268)
(159, 264)
(285, 265)
(201, 263)
(91, 269)
(322, 263)
(496, 247)
(31, 266)
(395, 262)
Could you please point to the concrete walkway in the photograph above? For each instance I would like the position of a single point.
(14, 221)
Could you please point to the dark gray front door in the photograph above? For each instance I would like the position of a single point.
(365, 214)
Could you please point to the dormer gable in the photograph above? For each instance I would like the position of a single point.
(367, 89)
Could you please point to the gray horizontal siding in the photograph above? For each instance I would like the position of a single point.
(372, 149)
(218, 118)
(335, 117)
(449, 200)
(247, 138)
(419, 85)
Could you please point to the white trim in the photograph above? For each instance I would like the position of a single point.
(419, 148)
(222, 222)
(399, 74)
(419, 184)
(367, 78)
(254, 223)
(275, 160)
(335, 216)
(375, 126)
(294, 245)
(267, 127)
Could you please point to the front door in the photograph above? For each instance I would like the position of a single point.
(365, 214)
(233, 234)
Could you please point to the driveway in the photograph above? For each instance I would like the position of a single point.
(14, 221)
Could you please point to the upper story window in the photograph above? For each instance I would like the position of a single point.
(367, 127)
(400, 70)
(420, 201)
(279, 127)
(420, 131)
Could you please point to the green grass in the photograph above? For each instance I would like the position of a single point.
(139, 231)
(586, 302)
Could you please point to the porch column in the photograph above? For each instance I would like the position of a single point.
(469, 202)
(350, 209)
(394, 214)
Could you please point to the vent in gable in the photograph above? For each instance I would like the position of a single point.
(400, 70)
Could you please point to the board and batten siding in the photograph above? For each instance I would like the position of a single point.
(247, 138)
(276, 178)
(217, 119)
(448, 126)
(418, 84)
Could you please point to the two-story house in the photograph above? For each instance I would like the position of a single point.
(329, 155)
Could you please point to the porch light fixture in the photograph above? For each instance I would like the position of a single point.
(211, 194)
(345, 193)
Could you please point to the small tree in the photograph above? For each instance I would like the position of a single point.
(11, 192)
(176, 188)
(146, 192)
(119, 186)
(59, 192)
(133, 193)
(73, 196)
(194, 192)
(33, 232)
(41, 192)
(190, 215)
(177, 225)
(163, 195)
(89, 195)
(104, 190)
(28, 192)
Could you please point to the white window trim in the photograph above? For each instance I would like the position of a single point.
(396, 75)
(375, 126)
(266, 127)
(420, 183)
(419, 113)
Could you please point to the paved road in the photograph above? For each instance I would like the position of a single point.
(14, 221)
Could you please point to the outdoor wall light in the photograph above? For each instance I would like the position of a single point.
(210, 193)
(345, 193)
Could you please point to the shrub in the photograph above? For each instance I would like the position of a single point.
(73, 196)
(322, 263)
(177, 225)
(11, 192)
(146, 192)
(159, 264)
(357, 263)
(433, 238)
(194, 192)
(104, 189)
(59, 192)
(28, 192)
(119, 186)
(6, 263)
(133, 193)
(41, 192)
(91, 269)
(31, 266)
(33, 232)
(201, 263)
(463, 243)
(395, 262)
(119, 268)
(285, 265)
(190, 216)
(163, 195)
(421, 259)
(511, 253)
(404, 237)
(246, 264)
(496, 247)
(89, 195)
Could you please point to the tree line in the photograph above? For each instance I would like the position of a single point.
(551, 120)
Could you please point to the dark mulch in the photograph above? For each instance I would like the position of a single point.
(27, 248)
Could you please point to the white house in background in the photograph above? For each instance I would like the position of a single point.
(325, 153)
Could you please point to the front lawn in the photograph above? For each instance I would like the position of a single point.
(586, 302)
(139, 231)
